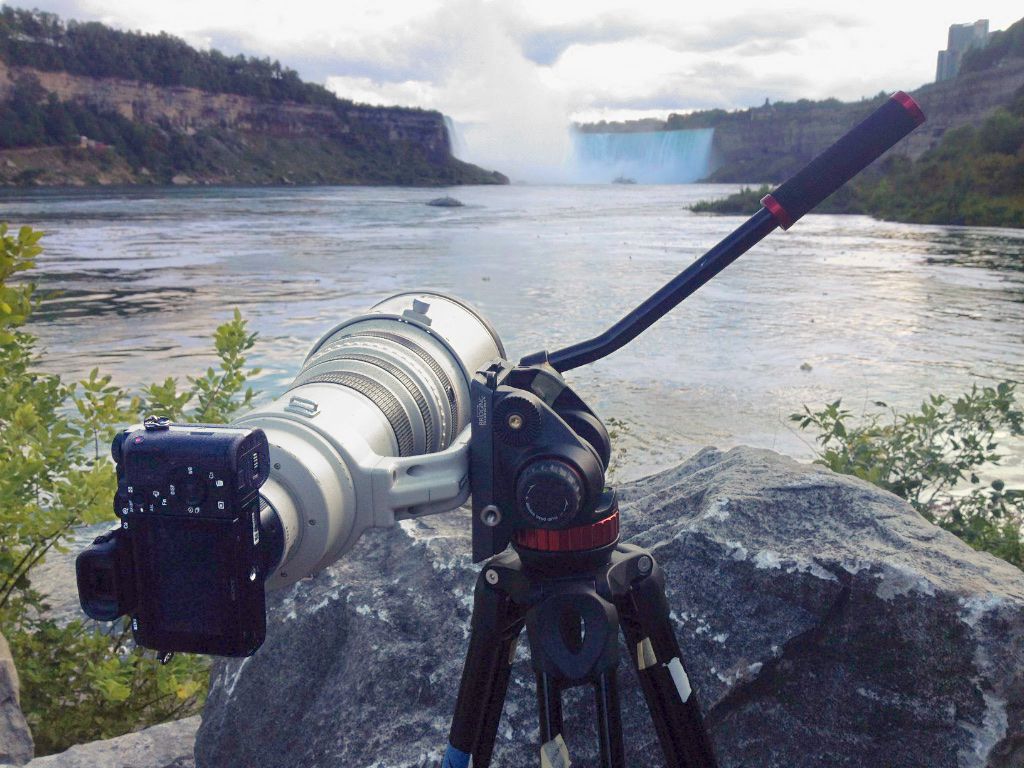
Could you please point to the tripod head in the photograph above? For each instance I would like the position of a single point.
(538, 457)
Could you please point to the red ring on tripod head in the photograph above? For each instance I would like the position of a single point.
(582, 537)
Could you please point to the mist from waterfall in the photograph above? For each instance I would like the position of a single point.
(569, 156)
(646, 157)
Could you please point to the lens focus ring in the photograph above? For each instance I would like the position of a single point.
(414, 391)
(442, 377)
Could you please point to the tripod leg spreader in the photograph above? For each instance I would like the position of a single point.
(574, 640)
(573, 622)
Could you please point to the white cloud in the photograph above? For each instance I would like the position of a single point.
(365, 90)
(508, 116)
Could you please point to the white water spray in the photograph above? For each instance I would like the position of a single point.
(509, 113)
(645, 157)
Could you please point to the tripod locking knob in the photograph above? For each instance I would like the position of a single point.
(549, 492)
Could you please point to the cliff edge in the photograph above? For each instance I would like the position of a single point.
(200, 137)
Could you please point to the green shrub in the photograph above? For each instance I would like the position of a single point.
(745, 202)
(81, 682)
(1002, 133)
(933, 458)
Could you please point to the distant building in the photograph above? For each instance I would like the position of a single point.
(962, 37)
(84, 142)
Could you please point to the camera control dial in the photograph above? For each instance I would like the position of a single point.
(550, 492)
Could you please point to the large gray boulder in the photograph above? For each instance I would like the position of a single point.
(823, 623)
(16, 744)
(168, 745)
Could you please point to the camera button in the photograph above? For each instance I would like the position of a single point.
(195, 491)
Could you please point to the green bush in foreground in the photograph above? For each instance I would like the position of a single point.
(81, 682)
(932, 458)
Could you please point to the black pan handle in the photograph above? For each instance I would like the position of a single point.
(826, 173)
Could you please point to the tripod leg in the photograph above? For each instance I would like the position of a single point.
(496, 624)
(644, 614)
(609, 719)
(553, 753)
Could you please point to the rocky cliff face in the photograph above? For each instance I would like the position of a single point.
(965, 100)
(767, 134)
(190, 110)
(411, 136)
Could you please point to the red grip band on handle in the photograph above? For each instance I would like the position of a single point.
(577, 539)
(911, 106)
(777, 211)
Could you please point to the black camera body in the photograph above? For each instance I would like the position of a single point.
(537, 457)
(191, 554)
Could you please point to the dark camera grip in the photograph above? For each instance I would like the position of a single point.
(854, 152)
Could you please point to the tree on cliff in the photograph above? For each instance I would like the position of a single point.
(43, 41)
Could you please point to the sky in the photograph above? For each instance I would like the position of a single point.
(512, 74)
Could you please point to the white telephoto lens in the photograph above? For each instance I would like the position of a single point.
(392, 382)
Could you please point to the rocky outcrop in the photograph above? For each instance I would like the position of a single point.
(966, 100)
(163, 746)
(15, 738)
(242, 140)
(189, 110)
(823, 622)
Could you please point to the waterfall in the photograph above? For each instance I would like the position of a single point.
(651, 157)
(456, 144)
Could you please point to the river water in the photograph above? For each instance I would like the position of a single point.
(837, 307)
